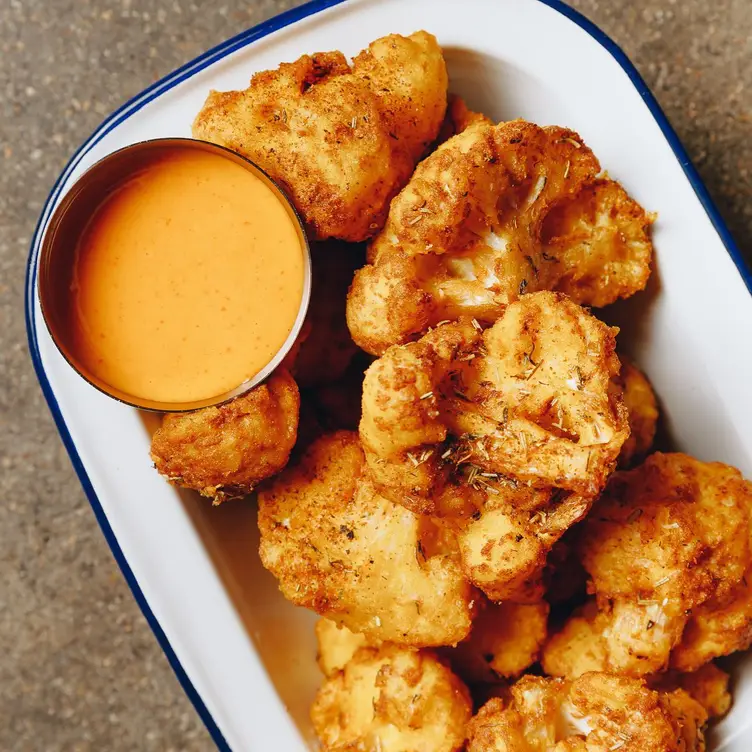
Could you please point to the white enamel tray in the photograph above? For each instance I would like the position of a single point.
(244, 655)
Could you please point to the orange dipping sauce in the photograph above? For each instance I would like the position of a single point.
(187, 279)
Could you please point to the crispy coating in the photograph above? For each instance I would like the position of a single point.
(393, 700)
(545, 380)
(579, 646)
(338, 547)
(667, 548)
(504, 641)
(342, 140)
(336, 646)
(642, 408)
(708, 686)
(718, 627)
(409, 76)
(226, 451)
(505, 543)
(473, 230)
(600, 239)
(510, 432)
(596, 713)
(325, 353)
(528, 399)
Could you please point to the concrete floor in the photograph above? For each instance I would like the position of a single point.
(79, 668)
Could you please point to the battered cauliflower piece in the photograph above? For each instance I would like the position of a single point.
(527, 399)
(579, 646)
(342, 140)
(495, 212)
(505, 640)
(326, 351)
(224, 452)
(505, 542)
(336, 646)
(667, 548)
(718, 627)
(708, 686)
(642, 408)
(600, 239)
(338, 547)
(596, 713)
(511, 433)
(392, 700)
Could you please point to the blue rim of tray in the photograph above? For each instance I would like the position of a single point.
(173, 79)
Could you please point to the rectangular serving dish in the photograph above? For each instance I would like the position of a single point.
(244, 655)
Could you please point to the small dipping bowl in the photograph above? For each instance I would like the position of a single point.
(111, 338)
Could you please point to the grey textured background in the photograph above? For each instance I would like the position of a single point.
(79, 668)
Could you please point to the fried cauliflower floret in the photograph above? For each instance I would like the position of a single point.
(582, 645)
(342, 140)
(511, 432)
(226, 451)
(600, 243)
(528, 399)
(336, 646)
(465, 237)
(708, 686)
(579, 646)
(403, 426)
(504, 641)
(338, 547)
(504, 544)
(642, 408)
(544, 383)
(667, 548)
(393, 700)
(409, 77)
(326, 351)
(718, 627)
(596, 713)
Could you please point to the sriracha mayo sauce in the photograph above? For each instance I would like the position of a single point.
(187, 279)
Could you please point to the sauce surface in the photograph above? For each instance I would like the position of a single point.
(187, 279)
